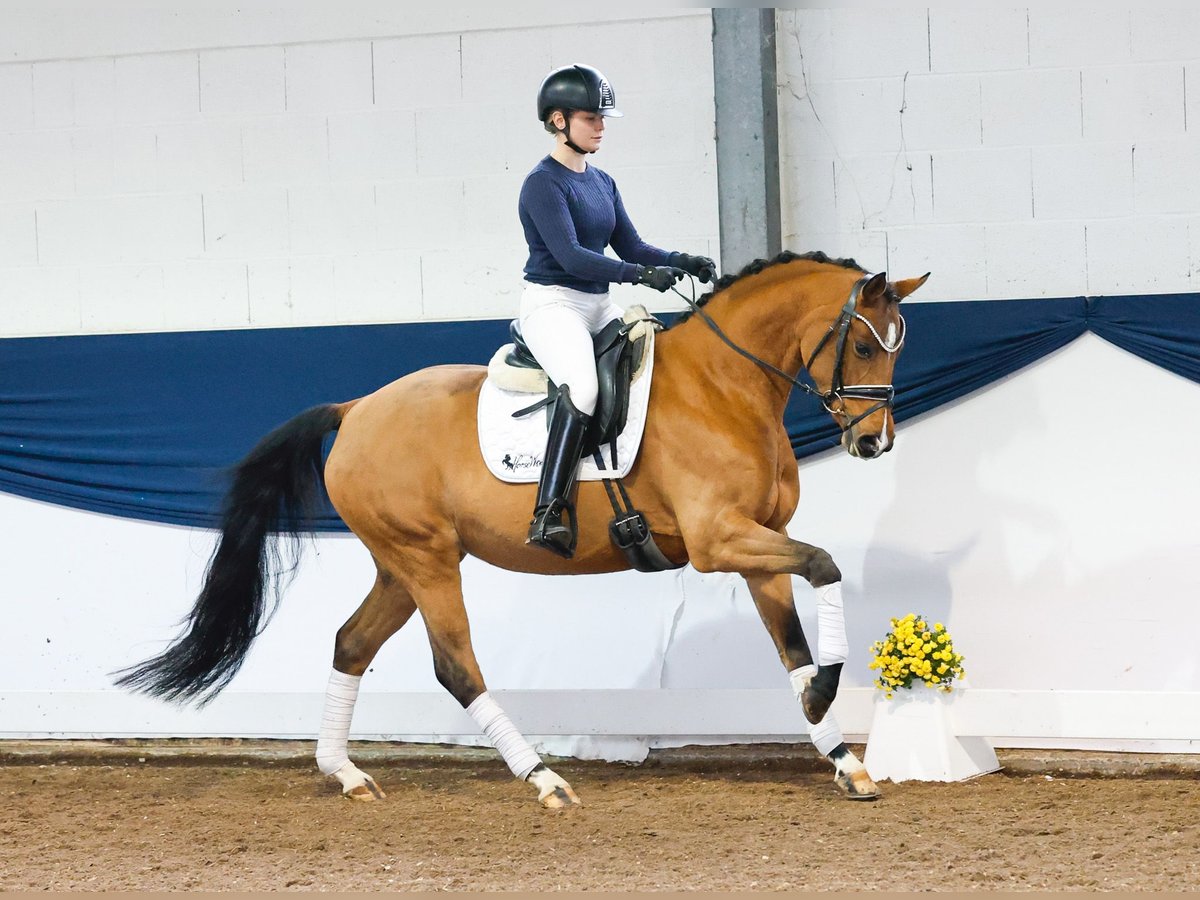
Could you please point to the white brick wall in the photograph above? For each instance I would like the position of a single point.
(370, 177)
(899, 129)
(1062, 145)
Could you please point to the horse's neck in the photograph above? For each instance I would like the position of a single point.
(764, 321)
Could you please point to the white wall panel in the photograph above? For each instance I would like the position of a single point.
(159, 88)
(1133, 102)
(246, 223)
(942, 112)
(1164, 32)
(882, 189)
(495, 63)
(1162, 245)
(328, 77)
(242, 80)
(377, 287)
(478, 285)
(362, 120)
(418, 212)
(292, 150)
(1038, 123)
(120, 229)
(204, 294)
(16, 96)
(973, 39)
(290, 291)
(870, 43)
(53, 94)
(372, 146)
(122, 298)
(1159, 183)
(198, 157)
(983, 184)
(1058, 36)
(1038, 259)
(1083, 181)
(40, 300)
(18, 235)
(332, 218)
(94, 83)
(36, 165)
(422, 70)
(1036, 106)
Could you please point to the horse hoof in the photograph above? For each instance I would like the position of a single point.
(560, 798)
(856, 785)
(367, 792)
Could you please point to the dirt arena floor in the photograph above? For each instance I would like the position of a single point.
(71, 821)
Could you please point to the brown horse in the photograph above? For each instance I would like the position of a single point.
(406, 475)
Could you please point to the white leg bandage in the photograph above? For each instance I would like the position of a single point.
(340, 696)
(492, 721)
(800, 678)
(826, 735)
(832, 646)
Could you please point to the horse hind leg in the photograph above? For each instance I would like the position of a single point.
(385, 610)
(457, 670)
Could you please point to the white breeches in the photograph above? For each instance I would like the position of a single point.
(558, 324)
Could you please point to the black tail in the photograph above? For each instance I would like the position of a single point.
(274, 489)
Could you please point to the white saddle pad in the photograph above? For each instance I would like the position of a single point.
(513, 448)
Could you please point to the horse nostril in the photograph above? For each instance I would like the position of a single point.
(868, 445)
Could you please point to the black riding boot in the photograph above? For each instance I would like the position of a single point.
(553, 525)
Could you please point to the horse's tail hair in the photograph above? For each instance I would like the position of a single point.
(274, 490)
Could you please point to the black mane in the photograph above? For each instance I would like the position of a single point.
(753, 268)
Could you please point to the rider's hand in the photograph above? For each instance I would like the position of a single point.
(700, 266)
(660, 278)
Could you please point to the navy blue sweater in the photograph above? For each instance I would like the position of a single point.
(569, 218)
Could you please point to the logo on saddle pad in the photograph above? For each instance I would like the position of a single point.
(518, 462)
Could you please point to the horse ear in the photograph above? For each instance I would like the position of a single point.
(872, 292)
(908, 285)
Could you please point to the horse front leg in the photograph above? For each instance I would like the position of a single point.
(776, 607)
(756, 551)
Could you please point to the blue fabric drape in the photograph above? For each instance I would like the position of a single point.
(145, 425)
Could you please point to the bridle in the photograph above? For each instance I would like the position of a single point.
(834, 399)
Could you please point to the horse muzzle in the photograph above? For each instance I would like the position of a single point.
(866, 446)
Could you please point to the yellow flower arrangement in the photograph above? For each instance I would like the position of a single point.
(915, 651)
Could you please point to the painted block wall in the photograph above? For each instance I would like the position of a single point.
(271, 176)
(1013, 152)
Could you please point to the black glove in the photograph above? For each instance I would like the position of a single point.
(700, 266)
(659, 277)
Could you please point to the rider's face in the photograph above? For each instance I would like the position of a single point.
(587, 130)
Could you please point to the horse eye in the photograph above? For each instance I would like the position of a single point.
(862, 349)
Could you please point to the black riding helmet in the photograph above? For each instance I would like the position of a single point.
(576, 87)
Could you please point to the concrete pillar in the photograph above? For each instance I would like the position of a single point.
(747, 135)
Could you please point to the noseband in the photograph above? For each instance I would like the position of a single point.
(834, 399)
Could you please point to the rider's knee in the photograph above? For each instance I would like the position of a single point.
(584, 394)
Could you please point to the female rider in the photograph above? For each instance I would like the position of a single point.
(570, 212)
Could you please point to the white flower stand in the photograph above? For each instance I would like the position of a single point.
(912, 739)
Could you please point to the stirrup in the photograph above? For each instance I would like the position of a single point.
(549, 530)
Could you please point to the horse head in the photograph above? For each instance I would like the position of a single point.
(852, 359)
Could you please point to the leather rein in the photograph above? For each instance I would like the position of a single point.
(834, 399)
